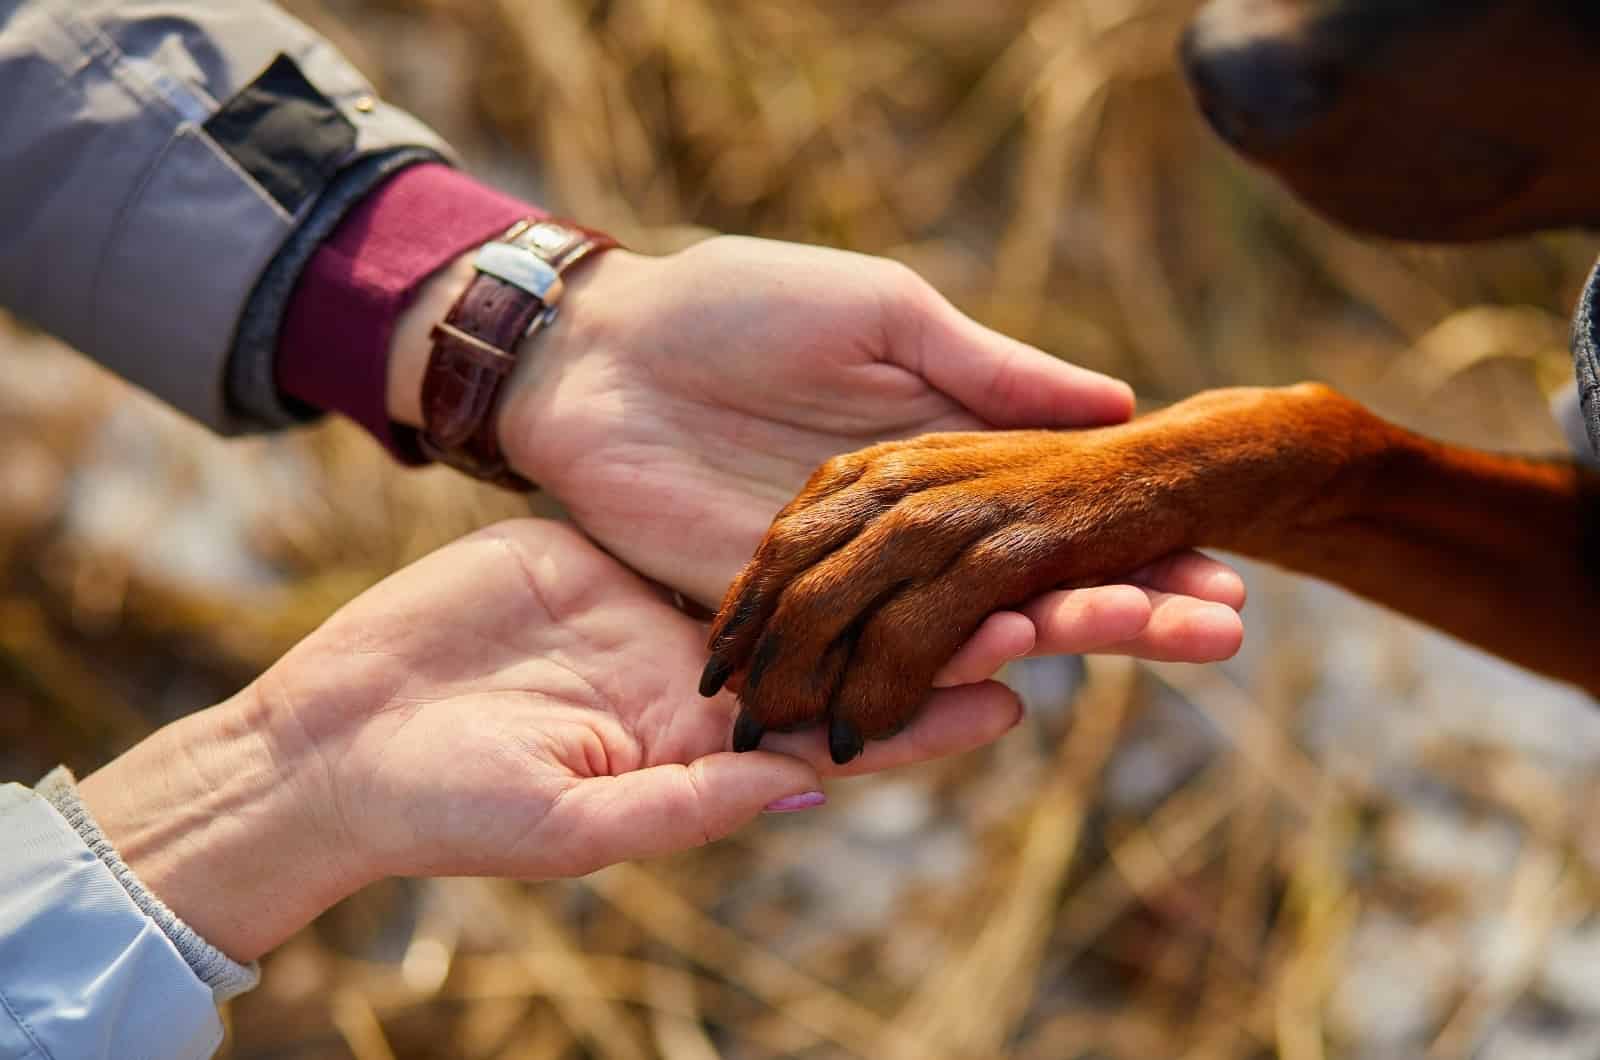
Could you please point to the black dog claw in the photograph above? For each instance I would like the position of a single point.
(747, 733)
(714, 676)
(844, 741)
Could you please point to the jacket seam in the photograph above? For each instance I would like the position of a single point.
(17, 1018)
(118, 222)
(167, 91)
(219, 153)
(131, 203)
(105, 55)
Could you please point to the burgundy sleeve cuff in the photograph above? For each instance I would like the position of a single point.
(333, 348)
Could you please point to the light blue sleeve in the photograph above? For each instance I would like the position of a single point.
(1568, 412)
(85, 972)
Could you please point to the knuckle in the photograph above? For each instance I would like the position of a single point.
(788, 538)
(902, 281)
(1015, 544)
(1314, 391)
(895, 465)
(835, 474)
(922, 464)
(948, 515)
(832, 470)
(922, 514)
(697, 802)
(894, 477)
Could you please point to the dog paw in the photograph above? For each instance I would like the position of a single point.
(892, 557)
(873, 577)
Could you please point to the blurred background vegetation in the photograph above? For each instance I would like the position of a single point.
(1357, 840)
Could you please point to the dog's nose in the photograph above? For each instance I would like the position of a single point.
(1258, 94)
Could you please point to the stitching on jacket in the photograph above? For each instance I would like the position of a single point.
(103, 54)
(217, 153)
(117, 224)
(16, 1017)
(131, 203)
(142, 78)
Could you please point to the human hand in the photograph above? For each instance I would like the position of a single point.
(515, 704)
(681, 401)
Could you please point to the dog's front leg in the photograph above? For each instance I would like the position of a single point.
(891, 557)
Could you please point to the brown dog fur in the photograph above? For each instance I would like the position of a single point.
(891, 557)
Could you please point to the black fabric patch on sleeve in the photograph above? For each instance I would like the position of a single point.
(285, 134)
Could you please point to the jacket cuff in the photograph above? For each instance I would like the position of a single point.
(333, 350)
(226, 977)
(83, 972)
(253, 389)
(163, 164)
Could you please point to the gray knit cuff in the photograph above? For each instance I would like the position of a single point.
(252, 387)
(226, 977)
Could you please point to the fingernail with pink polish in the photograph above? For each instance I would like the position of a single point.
(806, 800)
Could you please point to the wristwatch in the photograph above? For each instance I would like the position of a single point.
(515, 291)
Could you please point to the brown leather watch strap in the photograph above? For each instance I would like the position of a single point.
(476, 346)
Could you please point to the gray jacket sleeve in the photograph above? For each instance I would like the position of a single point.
(93, 966)
(166, 167)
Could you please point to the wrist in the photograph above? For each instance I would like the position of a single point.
(589, 291)
(533, 423)
(411, 343)
(223, 827)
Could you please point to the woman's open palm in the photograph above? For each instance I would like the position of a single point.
(532, 712)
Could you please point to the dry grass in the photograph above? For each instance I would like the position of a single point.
(1055, 896)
